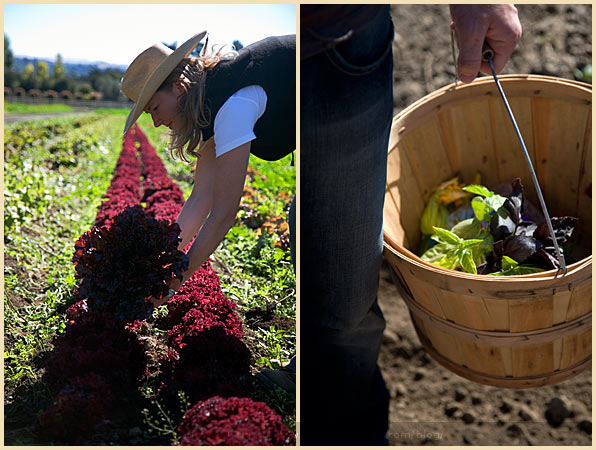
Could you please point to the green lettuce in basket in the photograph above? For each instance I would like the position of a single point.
(500, 239)
(454, 252)
(446, 196)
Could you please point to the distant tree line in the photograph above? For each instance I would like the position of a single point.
(37, 80)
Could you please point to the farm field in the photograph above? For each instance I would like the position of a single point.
(56, 174)
(20, 112)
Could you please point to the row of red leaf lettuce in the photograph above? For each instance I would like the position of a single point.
(100, 360)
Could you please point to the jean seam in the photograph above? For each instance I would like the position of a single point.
(341, 64)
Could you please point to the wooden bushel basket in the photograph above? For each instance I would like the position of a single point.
(517, 331)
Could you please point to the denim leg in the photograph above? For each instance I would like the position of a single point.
(346, 110)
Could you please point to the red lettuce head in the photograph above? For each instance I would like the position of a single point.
(233, 421)
(82, 403)
(122, 265)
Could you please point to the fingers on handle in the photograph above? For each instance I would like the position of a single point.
(469, 61)
(470, 36)
(504, 52)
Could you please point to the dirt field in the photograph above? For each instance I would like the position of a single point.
(429, 404)
(556, 40)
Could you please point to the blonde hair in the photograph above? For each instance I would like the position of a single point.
(191, 73)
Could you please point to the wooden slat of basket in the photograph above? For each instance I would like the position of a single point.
(541, 113)
(498, 311)
(394, 136)
(445, 121)
(565, 156)
(533, 359)
(507, 357)
(428, 137)
(424, 295)
(466, 310)
(511, 160)
(560, 307)
(406, 195)
(530, 315)
(484, 358)
(557, 353)
(584, 202)
(391, 213)
(576, 348)
(578, 306)
(449, 305)
(472, 123)
(448, 344)
(445, 343)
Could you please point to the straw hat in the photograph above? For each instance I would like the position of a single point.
(149, 70)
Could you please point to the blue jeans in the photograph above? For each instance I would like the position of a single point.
(346, 110)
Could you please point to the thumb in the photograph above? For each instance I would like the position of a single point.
(469, 59)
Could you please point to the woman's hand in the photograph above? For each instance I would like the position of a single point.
(175, 284)
(498, 25)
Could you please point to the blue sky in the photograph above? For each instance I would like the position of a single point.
(117, 33)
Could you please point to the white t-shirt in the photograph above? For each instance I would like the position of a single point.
(235, 121)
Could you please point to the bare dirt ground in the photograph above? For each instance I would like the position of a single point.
(429, 404)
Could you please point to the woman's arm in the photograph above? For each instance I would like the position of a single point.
(226, 174)
(198, 204)
(223, 182)
(229, 176)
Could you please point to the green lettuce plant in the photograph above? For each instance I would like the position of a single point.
(500, 239)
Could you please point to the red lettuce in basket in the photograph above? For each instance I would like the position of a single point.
(523, 246)
(121, 265)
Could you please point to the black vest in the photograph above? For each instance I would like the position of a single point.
(271, 64)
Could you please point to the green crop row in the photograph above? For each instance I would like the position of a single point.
(54, 175)
(24, 108)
